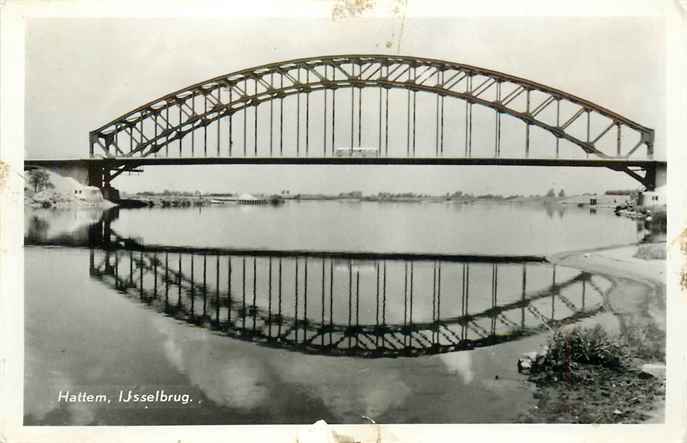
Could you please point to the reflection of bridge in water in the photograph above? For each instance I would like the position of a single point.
(351, 304)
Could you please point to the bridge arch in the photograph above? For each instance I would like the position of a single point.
(154, 126)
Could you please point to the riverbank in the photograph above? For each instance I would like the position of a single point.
(158, 199)
(196, 200)
(164, 202)
(637, 300)
(47, 190)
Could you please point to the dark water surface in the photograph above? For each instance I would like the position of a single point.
(213, 303)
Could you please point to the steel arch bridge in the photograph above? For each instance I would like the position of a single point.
(400, 110)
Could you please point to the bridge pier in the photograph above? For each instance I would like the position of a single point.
(660, 175)
(98, 176)
(110, 193)
(656, 176)
(95, 176)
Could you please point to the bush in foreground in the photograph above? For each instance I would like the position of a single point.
(568, 349)
(588, 376)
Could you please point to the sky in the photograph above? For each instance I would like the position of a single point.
(84, 72)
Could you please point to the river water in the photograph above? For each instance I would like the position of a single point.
(402, 312)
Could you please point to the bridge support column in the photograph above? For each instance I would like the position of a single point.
(656, 176)
(110, 193)
(660, 175)
(95, 176)
(99, 176)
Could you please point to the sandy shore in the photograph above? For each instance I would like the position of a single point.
(638, 297)
(620, 265)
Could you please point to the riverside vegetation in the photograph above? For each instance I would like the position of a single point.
(588, 376)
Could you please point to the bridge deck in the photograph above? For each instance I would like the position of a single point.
(612, 163)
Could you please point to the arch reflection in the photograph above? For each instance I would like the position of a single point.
(351, 304)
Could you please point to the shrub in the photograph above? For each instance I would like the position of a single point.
(591, 346)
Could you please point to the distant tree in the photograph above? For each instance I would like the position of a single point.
(621, 192)
(551, 193)
(39, 179)
(561, 193)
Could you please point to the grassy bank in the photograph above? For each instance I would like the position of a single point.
(651, 251)
(592, 376)
(587, 376)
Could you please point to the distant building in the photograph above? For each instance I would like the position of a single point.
(248, 199)
(601, 200)
(653, 198)
(352, 194)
